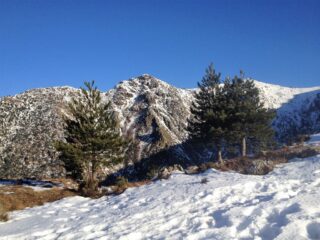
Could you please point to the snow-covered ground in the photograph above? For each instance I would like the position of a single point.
(281, 205)
(314, 140)
(34, 184)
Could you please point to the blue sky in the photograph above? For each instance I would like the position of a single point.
(64, 42)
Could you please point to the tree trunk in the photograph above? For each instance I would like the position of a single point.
(220, 160)
(93, 177)
(90, 184)
(244, 147)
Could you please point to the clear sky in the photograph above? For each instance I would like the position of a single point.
(64, 42)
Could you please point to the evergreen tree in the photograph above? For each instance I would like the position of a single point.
(208, 121)
(248, 119)
(92, 139)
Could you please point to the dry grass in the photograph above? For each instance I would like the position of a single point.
(68, 183)
(254, 166)
(3, 214)
(118, 189)
(19, 197)
(264, 162)
(138, 184)
(297, 151)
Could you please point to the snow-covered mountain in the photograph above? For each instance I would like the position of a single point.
(275, 96)
(154, 112)
(283, 204)
(151, 112)
(29, 124)
(298, 109)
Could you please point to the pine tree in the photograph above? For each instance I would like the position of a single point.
(249, 120)
(92, 140)
(208, 121)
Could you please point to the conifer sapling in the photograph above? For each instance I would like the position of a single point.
(92, 138)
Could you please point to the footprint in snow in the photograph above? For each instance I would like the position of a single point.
(313, 230)
(221, 220)
(277, 220)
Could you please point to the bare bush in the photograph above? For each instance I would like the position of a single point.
(3, 214)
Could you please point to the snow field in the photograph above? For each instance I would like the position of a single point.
(281, 205)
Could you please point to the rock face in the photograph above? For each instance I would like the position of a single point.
(151, 112)
(30, 123)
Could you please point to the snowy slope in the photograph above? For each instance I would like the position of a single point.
(281, 205)
(274, 96)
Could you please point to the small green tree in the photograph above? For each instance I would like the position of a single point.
(92, 138)
(208, 121)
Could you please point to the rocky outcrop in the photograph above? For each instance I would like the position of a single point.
(31, 122)
(151, 112)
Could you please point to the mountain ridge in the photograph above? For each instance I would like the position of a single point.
(150, 111)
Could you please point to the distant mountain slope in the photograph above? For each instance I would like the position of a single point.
(301, 115)
(151, 112)
(298, 109)
(30, 123)
(275, 96)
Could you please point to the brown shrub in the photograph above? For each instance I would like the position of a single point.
(202, 167)
(245, 165)
(302, 152)
(3, 214)
(265, 162)
(68, 183)
(123, 185)
(284, 154)
(138, 184)
(91, 193)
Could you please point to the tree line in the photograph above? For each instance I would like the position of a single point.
(229, 113)
(225, 114)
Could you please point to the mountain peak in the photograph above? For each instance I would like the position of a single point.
(144, 81)
(147, 75)
(148, 78)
